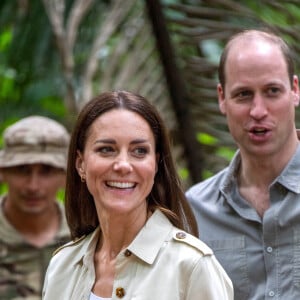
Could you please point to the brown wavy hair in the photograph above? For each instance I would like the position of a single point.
(167, 193)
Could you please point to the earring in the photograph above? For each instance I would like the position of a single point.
(82, 178)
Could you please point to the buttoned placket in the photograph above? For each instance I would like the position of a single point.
(270, 237)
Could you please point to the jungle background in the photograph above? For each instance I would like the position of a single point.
(55, 55)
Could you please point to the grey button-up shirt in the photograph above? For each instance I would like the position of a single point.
(260, 255)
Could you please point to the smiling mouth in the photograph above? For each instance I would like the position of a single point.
(120, 185)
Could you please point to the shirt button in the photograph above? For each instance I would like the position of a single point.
(120, 292)
(181, 235)
(127, 253)
(271, 294)
(269, 249)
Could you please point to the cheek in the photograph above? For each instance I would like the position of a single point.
(15, 183)
(60, 182)
(51, 185)
(237, 113)
(94, 168)
(284, 110)
(149, 172)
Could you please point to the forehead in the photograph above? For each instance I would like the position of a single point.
(120, 121)
(253, 46)
(255, 56)
(255, 42)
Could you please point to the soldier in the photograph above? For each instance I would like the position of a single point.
(32, 222)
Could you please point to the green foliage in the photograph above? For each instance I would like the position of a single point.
(54, 105)
(183, 173)
(3, 189)
(206, 139)
(206, 174)
(225, 152)
(5, 39)
(213, 145)
(272, 14)
(60, 195)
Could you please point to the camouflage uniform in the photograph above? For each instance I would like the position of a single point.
(23, 266)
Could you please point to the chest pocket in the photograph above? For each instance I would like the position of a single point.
(231, 253)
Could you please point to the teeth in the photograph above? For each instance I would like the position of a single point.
(259, 131)
(120, 185)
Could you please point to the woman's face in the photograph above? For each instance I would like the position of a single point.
(119, 162)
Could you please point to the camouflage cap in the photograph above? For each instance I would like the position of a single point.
(35, 139)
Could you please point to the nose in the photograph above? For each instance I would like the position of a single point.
(258, 108)
(122, 164)
(33, 181)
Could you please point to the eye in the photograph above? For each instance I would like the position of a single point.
(140, 151)
(47, 170)
(22, 169)
(243, 95)
(273, 91)
(105, 150)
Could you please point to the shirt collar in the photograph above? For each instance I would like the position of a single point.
(289, 177)
(152, 236)
(286, 177)
(228, 181)
(146, 244)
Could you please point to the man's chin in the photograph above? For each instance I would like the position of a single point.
(34, 207)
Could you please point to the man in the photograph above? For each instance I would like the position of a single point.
(32, 223)
(249, 213)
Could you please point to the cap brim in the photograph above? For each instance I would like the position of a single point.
(15, 159)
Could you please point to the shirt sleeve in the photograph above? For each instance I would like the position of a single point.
(209, 281)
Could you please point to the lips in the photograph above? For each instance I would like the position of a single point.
(259, 131)
(120, 185)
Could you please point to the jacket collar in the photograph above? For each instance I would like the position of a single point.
(146, 245)
(151, 238)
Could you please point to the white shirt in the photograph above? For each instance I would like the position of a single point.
(95, 297)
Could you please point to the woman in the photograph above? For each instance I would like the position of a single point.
(128, 216)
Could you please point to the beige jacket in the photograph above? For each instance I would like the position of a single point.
(161, 263)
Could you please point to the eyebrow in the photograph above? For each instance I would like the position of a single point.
(112, 141)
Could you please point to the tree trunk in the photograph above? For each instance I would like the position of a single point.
(177, 90)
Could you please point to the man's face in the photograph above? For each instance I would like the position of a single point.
(258, 100)
(32, 188)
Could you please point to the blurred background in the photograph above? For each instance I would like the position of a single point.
(55, 55)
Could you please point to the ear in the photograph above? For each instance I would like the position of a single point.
(221, 99)
(80, 164)
(295, 90)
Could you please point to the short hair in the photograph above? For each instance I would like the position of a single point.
(166, 194)
(266, 35)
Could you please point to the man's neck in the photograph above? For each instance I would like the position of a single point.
(256, 174)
